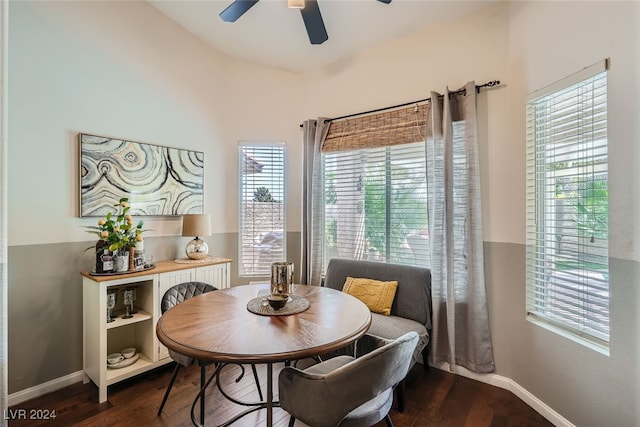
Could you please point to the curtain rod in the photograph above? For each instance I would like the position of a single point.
(492, 83)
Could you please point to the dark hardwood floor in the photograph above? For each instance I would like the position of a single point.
(434, 398)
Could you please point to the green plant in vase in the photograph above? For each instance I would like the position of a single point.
(117, 233)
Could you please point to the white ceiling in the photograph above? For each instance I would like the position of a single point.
(269, 33)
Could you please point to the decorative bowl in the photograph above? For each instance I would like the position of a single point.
(129, 352)
(114, 358)
(277, 301)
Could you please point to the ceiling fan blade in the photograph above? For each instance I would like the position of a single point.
(385, 1)
(313, 22)
(236, 9)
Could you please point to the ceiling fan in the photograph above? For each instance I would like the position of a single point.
(309, 10)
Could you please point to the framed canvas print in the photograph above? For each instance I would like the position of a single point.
(157, 180)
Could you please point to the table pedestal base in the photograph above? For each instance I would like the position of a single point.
(254, 406)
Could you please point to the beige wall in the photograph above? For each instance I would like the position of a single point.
(120, 69)
(581, 34)
(588, 388)
(512, 43)
(153, 82)
(528, 45)
(123, 69)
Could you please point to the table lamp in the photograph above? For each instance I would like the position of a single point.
(196, 225)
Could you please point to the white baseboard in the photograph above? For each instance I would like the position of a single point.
(42, 389)
(508, 384)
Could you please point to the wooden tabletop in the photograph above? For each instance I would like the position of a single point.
(217, 326)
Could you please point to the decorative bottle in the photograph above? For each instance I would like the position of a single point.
(104, 260)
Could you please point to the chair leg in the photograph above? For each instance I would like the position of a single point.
(166, 393)
(400, 395)
(425, 355)
(387, 419)
(292, 421)
(255, 377)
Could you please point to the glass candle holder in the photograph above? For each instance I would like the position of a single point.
(112, 297)
(128, 303)
(281, 278)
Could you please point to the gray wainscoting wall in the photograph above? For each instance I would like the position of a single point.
(45, 326)
(45, 301)
(566, 376)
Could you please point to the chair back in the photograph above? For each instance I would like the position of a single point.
(323, 399)
(182, 292)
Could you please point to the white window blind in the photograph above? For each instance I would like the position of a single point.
(567, 206)
(262, 207)
(376, 204)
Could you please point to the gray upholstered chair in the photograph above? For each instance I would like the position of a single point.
(346, 391)
(173, 296)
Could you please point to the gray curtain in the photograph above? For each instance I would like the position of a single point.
(461, 333)
(314, 134)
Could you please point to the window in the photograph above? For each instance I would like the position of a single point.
(376, 204)
(567, 206)
(262, 207)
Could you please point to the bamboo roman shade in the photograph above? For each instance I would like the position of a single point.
(401, 126)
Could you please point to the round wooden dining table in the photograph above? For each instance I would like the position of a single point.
(218, 327)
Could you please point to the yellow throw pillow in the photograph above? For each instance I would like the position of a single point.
(377, 295)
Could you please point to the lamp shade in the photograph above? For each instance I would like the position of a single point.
(194, 225)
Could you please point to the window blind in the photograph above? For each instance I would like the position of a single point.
(567, 206)
(376, 204)
(262, 207)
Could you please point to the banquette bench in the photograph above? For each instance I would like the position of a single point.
(411, 308)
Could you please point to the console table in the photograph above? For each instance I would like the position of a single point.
(102, 338)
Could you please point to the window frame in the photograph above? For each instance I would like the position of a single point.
(540, 202)
(388, 164)
(282, 191)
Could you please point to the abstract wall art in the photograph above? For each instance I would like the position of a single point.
(157, 180)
